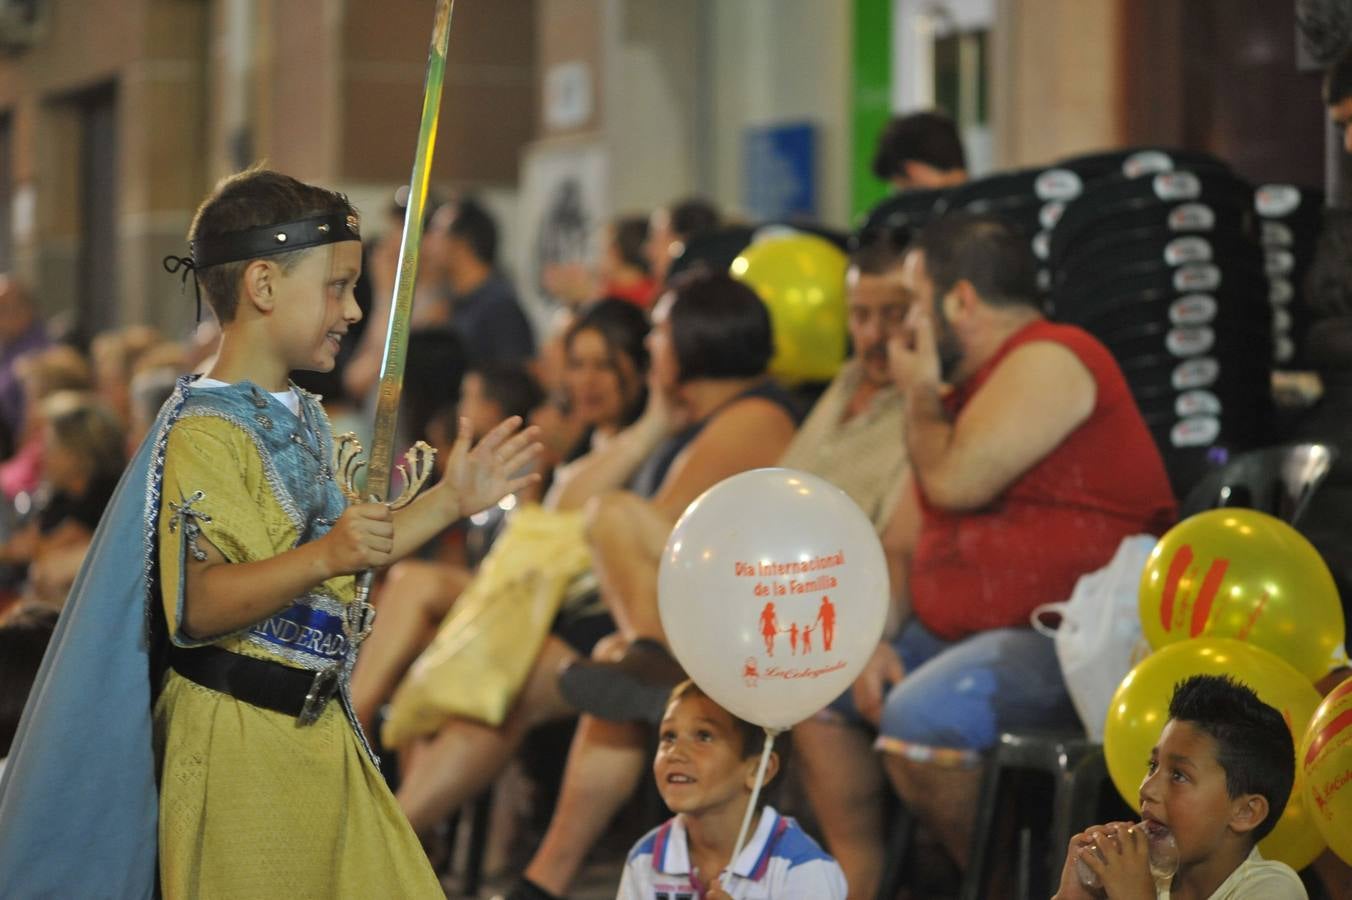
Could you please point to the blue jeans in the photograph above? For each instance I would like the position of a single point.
(960, 695)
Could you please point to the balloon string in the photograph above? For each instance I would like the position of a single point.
(770, 734)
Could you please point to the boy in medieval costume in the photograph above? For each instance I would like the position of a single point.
(231, 539)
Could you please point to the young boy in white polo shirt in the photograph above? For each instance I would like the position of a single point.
(706, 768)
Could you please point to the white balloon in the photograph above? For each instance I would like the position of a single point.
(773, 593)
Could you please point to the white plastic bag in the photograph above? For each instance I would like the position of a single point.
(1099, 639)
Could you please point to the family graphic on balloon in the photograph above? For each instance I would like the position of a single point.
(770, 629)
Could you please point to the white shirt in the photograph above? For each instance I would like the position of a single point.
(1258, 879)
(779, 862)
(288, 398)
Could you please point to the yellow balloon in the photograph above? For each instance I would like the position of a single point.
(1239, 573)
(801, 279)
(1326, 761)
(1140, 708)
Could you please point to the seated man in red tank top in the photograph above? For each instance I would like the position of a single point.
(1030, 462)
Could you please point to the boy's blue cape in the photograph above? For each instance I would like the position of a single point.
(78, 800)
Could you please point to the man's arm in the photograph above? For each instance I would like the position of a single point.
(898, 540)
(1036, 397)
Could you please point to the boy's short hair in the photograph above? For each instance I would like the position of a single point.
(927, 137)
(252, 199)
(692, 216)
(753, 736)
(879, 252)
(631, 233)
(473, 225)
(1253, 744)
(511, 386)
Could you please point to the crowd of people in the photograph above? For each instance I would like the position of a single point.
(974, 433)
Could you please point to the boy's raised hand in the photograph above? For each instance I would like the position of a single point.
(361, 539)
(1122, 861)
(483, 475)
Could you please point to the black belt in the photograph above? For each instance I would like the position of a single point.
(258, 682)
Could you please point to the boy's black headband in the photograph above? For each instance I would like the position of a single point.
(265, 240)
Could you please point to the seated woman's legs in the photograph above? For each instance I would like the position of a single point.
(410, 606)
(461, 760)
(949, 710)
(606, 763)
(627, 534)
(844, 784)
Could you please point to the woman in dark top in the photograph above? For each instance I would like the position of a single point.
(604, 370)
(711, 413)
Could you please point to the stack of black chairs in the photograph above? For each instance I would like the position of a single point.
(1030, 199)
(1290, 218)
(1164, 265)
(900, 216)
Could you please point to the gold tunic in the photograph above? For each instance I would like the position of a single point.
(251, 804)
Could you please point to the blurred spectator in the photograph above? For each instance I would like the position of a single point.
(605, 366)
(669, 227)
(606, 362)
(41, 373)
(493, 392)
(622, 269)
(598, 377)
(114, 355)
(711, 413)
(850, 439)
(150, 388)
(920, 150)
(20, 332)
(625, 270)
(485, 311)
(82, 460)
(433, 371)
(431, 309)
(24, 635)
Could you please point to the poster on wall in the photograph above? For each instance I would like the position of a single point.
(564, 200)
(779, 163)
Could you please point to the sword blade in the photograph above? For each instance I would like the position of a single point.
(401, 305)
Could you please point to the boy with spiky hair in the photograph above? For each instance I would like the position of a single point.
(243, 555)
(1217, 782)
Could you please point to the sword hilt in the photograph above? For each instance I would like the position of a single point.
(418, 469)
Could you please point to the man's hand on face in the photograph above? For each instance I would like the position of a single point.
(913, 355)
